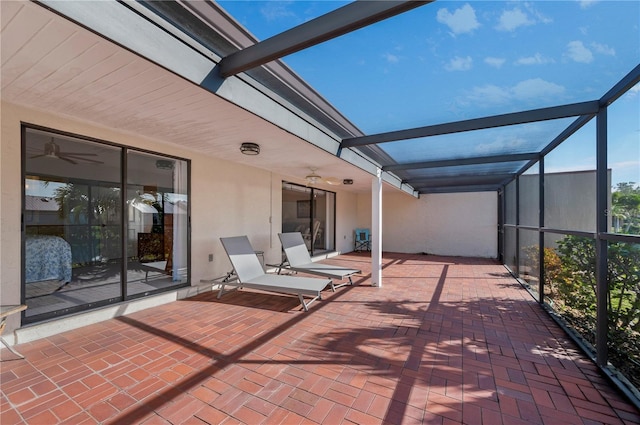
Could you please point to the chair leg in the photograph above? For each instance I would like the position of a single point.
(20, 356)
(340, 285)
(305, 305)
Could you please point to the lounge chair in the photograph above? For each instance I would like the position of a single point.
(300, 261)
(250, 274)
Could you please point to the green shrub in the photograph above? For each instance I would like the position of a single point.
(576, 298)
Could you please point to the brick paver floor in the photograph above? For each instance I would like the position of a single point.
(444, 341)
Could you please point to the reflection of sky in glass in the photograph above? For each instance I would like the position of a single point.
(500, 168)
(522, 138)
(42, 188)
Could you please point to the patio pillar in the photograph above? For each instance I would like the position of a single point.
(376, 230)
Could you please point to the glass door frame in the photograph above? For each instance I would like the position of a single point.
(308, 206)
(123, 222)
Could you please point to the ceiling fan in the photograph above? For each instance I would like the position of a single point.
(52, 150)
(314, 178)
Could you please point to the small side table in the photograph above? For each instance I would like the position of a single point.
(6, 311)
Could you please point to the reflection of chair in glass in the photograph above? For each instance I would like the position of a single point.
(310, 238)
(362, 241)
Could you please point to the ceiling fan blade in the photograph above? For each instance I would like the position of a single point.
(67, 159)
(334, 181)
(37, 156)
(66, 155)
(78, 154)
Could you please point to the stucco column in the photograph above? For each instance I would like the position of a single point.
(376, 230)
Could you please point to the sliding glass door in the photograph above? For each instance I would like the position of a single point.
(82, 240)
(156, 222)
(311, 212)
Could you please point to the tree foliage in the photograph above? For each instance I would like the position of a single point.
(625, 208)
(576, 299)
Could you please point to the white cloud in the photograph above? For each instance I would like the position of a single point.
(625, 164)
(578, 52)
(603, 49)
(539, 17)
(276, 10)
(536, 88)
(526, 90)
(500, 144)
(512, 19)
(489, 94)
(586, 3)
(536, 59)
(495, 62)
(459, 64)
(390, 58)
(633, 92)
(460, 21)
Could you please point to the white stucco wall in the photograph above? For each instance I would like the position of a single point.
(458, 224)
(227, 199)
(346, 213)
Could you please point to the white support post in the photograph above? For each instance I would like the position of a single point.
(376, 230)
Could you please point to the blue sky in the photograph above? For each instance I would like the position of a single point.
(449, 61)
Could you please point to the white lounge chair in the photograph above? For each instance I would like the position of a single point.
(250, 274)
(300, 261)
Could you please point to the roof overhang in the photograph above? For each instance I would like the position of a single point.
(171, 53)
(123, 66)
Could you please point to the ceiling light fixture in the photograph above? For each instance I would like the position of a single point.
(313, 178)
(249, 148)
(164, 164)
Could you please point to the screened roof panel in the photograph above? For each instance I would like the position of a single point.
(447, 63)
(462, 181)
(463, 170)
(515, 139)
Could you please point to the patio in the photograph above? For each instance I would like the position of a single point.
(445, 340)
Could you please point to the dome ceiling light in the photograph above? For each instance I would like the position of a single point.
(249, 148)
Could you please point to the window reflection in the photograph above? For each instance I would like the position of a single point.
(157, 222)
(73, 225)
(310, 211)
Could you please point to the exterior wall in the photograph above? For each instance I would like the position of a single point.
(364, 211)
(569, 201)
(346, 220)
(227, 199)
(458, 224)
